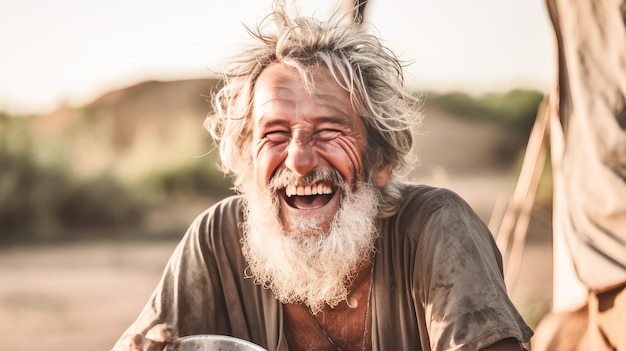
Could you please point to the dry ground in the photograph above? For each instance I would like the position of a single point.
(78, 296)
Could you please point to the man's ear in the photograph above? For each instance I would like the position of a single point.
(382, 175)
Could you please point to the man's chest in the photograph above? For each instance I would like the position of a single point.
(342, 328)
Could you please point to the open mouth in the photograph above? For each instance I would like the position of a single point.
(308, 197)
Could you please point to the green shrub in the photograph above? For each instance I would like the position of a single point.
(40, 203)
(198, 178)
(99, 203)
(25, 193)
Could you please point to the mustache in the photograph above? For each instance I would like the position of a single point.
(283, 177)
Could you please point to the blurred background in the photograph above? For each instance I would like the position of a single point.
(104, 162)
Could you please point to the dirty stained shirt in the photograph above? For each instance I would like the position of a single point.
(437, 281)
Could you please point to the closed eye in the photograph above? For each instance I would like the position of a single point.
(327, 134)
(278, 136)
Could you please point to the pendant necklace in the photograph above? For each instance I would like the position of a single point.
(367, 310)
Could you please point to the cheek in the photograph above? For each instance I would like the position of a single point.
(345, 154)
(266, 160)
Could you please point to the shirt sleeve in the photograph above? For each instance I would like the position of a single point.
(191, 295)
(184, 295)
(458, 270)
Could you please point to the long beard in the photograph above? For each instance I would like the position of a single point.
(308, 265)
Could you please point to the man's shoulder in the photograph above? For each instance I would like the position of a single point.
(228, 205)
(228, 211)
(217, 226)
(420, 201)
(421, 195)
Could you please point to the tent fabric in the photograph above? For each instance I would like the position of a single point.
(589, 160)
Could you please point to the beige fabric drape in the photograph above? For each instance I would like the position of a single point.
(589, 142)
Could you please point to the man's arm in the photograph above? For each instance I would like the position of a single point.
(156, 339)
(459, 270)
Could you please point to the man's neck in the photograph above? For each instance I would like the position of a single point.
(343, 327)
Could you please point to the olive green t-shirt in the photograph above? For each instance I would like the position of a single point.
(438, 281)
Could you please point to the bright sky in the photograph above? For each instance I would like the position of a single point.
(74, 50)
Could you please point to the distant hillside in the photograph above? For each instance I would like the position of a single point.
(130, 132)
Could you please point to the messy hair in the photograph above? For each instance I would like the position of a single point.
(358, 62)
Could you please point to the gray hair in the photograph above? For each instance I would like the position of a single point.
(359, 63)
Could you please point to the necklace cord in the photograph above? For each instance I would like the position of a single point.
(367, 310)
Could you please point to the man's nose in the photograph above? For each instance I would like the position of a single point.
(301, 157)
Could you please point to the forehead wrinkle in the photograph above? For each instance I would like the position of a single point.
(284, 93)
(269, 112)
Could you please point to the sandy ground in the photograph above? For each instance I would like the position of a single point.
(83, 295)
(78, 296)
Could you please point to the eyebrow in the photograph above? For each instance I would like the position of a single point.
(269, 120)
(344, 121)
(266, 121)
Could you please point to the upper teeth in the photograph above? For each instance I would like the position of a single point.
(317, 189)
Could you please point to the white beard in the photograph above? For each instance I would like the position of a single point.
(307, 265)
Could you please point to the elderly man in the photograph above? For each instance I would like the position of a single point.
(325, 248)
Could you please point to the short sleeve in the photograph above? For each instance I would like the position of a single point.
(202, 288)
(458, 269)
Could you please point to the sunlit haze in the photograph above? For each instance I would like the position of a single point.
(71, 51)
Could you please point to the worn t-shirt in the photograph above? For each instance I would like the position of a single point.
(438, 281)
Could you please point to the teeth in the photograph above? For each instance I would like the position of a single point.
(291, 190)
(319, 189)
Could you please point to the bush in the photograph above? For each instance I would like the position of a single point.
(194, 179)
(24, 194)
(99, 203)
(40, 203)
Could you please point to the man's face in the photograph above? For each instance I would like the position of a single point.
(298, 132)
